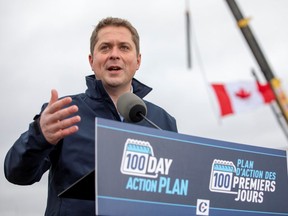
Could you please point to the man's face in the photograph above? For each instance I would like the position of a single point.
(115, 60)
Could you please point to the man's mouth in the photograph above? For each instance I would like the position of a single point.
(114, 68)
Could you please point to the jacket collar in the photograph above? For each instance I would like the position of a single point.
(96, 90)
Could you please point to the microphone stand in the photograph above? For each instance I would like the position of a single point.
(149, 121)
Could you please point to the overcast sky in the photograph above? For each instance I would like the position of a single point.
(45, 44)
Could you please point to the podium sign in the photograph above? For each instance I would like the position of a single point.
(145, 171)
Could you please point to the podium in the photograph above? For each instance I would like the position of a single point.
(144, 171)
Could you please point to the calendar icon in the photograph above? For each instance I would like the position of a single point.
(135, 158)
(222, 176)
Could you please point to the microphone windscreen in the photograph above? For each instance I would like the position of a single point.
(130, 106)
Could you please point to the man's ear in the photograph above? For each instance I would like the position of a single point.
(90, 58)
(138, 61)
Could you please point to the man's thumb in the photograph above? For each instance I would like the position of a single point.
(54, 96)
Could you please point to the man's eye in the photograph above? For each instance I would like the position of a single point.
(124, 48)
(104, 48)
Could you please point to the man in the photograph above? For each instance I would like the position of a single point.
(61, 138)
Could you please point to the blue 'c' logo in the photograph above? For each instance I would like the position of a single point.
(203, 207)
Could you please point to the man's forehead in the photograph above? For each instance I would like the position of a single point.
(114, 32)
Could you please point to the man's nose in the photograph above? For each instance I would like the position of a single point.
(114, 54)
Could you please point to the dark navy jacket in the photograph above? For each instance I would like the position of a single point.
(73, 157)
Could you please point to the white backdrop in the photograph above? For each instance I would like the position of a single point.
(45, 44)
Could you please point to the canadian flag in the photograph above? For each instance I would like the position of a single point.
(242, 96)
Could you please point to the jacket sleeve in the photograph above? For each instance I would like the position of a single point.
(28, 159)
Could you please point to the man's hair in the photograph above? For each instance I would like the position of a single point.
(118, 22)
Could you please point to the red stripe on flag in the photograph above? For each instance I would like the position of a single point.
(266, 92)
(223, 99)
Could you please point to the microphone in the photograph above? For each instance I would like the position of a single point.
(133, 109)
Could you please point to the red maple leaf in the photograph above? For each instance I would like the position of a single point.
(242, 93)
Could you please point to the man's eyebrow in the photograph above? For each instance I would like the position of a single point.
(108, 43)
(104, 42)
(124, 42)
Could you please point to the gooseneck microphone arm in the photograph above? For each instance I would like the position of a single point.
(149, 121)
(133, 109)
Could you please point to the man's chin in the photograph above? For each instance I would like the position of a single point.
(112, 85)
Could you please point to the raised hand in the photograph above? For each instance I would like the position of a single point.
(55, 122)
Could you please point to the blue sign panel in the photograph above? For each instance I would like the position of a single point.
(145, 171)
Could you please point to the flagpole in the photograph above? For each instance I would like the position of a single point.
(188, 35)
(274, 83)
(198, 59)
(275, 112)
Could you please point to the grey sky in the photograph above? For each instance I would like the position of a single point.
(45, 44)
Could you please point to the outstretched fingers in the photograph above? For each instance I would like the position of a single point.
(64, 124)
(55, 122)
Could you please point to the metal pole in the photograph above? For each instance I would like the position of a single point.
(255, 48)
(274, 110)
(188, 35)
